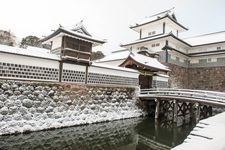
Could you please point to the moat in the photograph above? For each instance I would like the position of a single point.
(129, 134)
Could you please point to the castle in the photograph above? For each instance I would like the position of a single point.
(196, 63)
(158, 58)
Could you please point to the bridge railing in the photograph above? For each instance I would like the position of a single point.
(187, 93)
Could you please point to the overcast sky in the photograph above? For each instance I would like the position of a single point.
(107, 19)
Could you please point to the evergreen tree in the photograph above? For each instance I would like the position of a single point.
(33, 41)
(97, 55)
(30, 41)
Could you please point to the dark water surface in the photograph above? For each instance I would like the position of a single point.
(130, 134)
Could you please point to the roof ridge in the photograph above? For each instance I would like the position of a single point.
(204, 34)
(122, 50)
(169, 10)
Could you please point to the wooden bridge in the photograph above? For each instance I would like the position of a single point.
(182, 101)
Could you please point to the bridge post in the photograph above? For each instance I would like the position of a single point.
(191, 112)
(157, 108)
(175, 110)
(197, 105)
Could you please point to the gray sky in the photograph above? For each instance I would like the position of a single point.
(107, 19)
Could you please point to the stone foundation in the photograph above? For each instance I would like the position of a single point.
(33, 106)
(204, 78)
(178, 76)
(211, 78)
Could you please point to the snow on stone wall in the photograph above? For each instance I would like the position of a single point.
(33, 106)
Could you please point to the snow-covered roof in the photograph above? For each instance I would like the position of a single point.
(162, 75)
(75, 34)
(30, 51)
(155, 17)
(148, 61)
(141, 59)
(79, 27)
(94, 39)
(114, 67)
(38, 49)
(145, 39)
(116, 55)
(206, 38)
(168, 13)
(155, 38)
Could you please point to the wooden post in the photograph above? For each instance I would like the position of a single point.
(174, 111)
(197, 112)
(174, 135)
(86, 75)
(60, 70)
(157, 108)
(210, 111)
(156, 128)
(140, 33)
(191, 112)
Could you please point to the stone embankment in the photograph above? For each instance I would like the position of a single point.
(33, 106)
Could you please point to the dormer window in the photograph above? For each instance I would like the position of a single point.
(151, 33)
(219, 48)
(156, 45)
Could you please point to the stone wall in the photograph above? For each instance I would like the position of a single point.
(178, 76)
(210, 78)
(204, 78)
(32, 106)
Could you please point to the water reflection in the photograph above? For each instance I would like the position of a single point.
(130, 134)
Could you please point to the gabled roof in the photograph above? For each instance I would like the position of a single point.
(79, 27)
(162, 15)
(145, 62)
(206, 39)
(75, 33)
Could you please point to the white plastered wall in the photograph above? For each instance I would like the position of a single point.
(206, 48)
(213, 58)
(158, 28)
(161, 43)
(26, 60)
(170, 28)
(159, 78)
(74, 67)
(57, 42)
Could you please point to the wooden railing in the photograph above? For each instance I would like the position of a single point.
(185, 94)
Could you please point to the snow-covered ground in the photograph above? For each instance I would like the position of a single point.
(207, 135)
